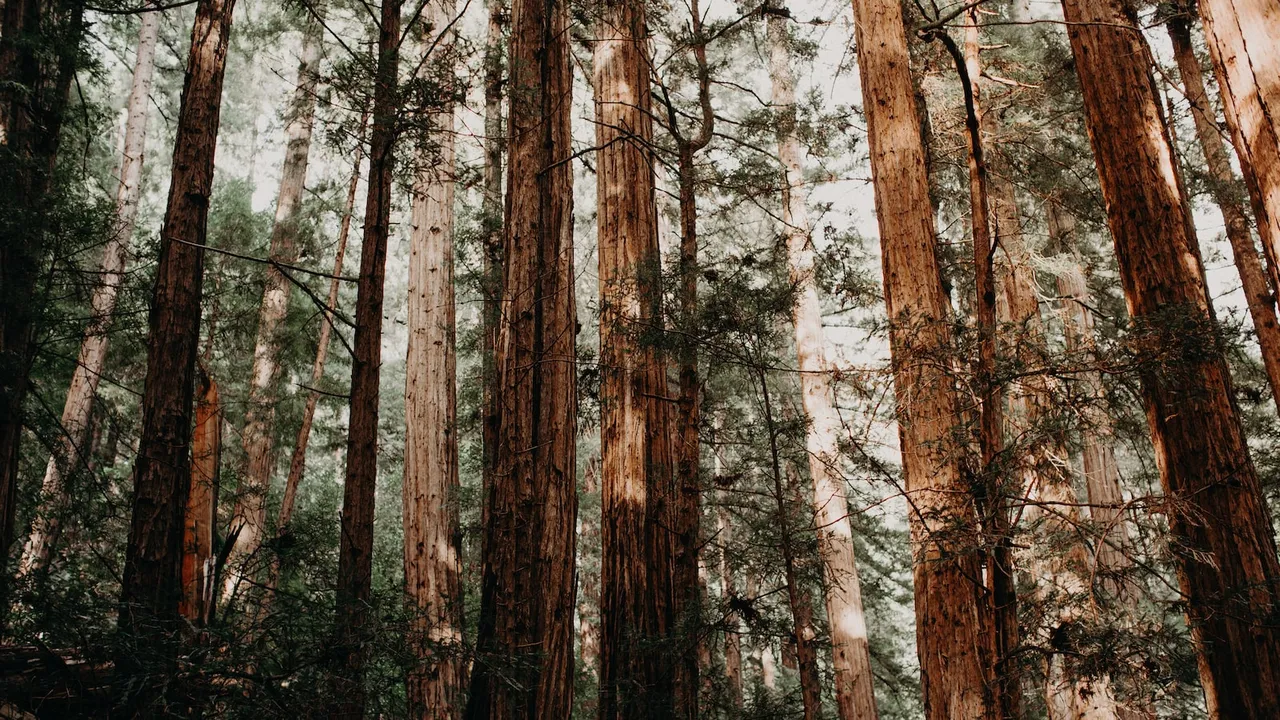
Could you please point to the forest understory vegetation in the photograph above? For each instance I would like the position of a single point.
(625, 359)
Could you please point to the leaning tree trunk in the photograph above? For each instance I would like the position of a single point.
(850, 651)
(524, 648)
(956, 653)
(355, 552)
(1222, 536)
(639, 675)
(432, 555)
(78, 409)
(1241, 35)
(248, 523)
(1223, 187)
(151, 587)
(201, 520)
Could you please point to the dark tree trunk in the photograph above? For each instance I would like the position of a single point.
(355, 553)
(151, 588)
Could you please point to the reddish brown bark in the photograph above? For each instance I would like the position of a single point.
(355, 552)
(639, 675)
(198, 562)
(524, 648)
(956, 652)
(1223, 541)
(151, 586)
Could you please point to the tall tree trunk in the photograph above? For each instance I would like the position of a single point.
(355, 553)
(491, 212)
(524, 662)
(730, 595)
(956, 652)
(589, 580)
(248, 523)
(33, 92)
(639, 676)
(298, 461)
(432, 537)
(198, 561)
(78, 409)
(152, 583)
(850, 651)
(1222, 536)
(1223, 187)
(1241, 35)
(1101, 473)
(687, 605)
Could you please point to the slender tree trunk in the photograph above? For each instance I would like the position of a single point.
(639, 675)
(589, 580)
(198, 561)
(1223, 541)
(78, 409)
(786, 493)
(1257, 292)
(248, 523)
(491, 212)
(729, 584)
(355, 553)
(432, 537)
(298, 461)
(1101, 473)
(152, 585)
(524, 648)
(1241, 35)
(850, 651)
(34, 93)
(956, 651)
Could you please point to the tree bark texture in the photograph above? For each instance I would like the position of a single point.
(524, 660)
(956, 652)
(152, 584)
(491, 211)
(639, 672)
(432, 537)
(1258, 293)
(250, 517)
(201, 519)
(1222, 538)
(355, 551)
(850, 651)
(70, 452)
(1241, 35)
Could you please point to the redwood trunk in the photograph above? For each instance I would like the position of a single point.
(198, 561)
(1223, 187)
(956, 652)
(850, 651)
(491, 212)
(432, 552)
(70, 452)
(355, 552)
(151, 587)
(1241, 35)
(1221, 531)
(639, 675)
(248, 523)
(524, 648)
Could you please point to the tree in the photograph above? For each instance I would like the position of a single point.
(524, 644)
(199, 564)
(1241, 37)
(78, 409)
(151, 587)
(850, 651)
(1224, 189)
(249, 520)
(432, 555)
(956, 653)
(638, 675)
(1223, 541)
(355, 552)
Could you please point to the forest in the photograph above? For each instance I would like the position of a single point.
(631, 359)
